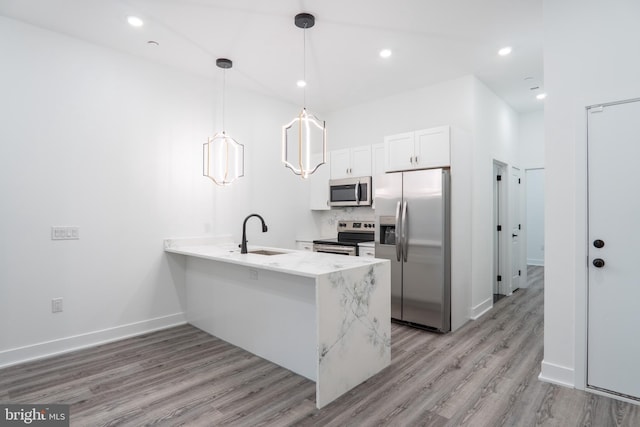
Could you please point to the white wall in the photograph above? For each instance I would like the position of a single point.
(531, 139)
(94, 138)
(580, 70)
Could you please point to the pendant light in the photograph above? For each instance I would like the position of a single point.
(223, 156)
(304, 139)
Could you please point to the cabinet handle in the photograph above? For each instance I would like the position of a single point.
(417, 160)
(411, 159)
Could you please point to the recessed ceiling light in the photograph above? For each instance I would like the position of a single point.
(385, 53)
(301, 83)
(541, 96)
(505, 51)
(134, 21)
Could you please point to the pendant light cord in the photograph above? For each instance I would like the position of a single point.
(224, 85)
(304, 66)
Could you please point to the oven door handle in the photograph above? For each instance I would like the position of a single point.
(397, 232)
(334, 249)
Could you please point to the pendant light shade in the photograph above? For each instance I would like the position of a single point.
(304, 139)
(223, 156)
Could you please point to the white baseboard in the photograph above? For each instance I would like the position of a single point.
(538, 262)
(556, 374)
(41, 350)
(481, 308)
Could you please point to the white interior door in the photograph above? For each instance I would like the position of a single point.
(499, 228)
(613, 349)
(516, 229)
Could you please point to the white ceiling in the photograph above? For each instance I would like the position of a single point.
(432, 41)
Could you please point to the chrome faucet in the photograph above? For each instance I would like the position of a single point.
(243, 246)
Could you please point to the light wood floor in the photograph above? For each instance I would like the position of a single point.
(482, 375)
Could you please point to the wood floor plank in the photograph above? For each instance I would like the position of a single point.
(484, 374)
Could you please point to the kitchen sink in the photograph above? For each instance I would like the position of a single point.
(266, 252)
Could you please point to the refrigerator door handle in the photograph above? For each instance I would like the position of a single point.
(405, 232)
(397, 231)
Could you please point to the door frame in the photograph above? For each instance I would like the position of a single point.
(500, 214)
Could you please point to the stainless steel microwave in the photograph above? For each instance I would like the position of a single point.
(350, 191)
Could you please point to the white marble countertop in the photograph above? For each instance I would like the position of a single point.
(301, 263)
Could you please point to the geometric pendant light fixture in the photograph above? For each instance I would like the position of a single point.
(223, 156)
(304, 139)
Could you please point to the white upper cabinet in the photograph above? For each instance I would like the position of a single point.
(351, 162)
(319, 185)
(427, 148)
(399, 151)
(340, 163)
(432, 148)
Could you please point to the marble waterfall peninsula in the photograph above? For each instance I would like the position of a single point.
(325, 317)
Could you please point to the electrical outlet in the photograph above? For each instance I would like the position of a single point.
(253, 274)
(56, 305)
(65, 233)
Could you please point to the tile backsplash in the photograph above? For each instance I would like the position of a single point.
(328, 220)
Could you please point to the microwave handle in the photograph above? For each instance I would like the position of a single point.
(358, 192)
(397, 231)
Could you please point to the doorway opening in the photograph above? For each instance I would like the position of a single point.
(534, 179)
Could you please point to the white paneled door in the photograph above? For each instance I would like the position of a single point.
(516, 228)
(613, 349)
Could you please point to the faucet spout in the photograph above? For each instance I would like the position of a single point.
(243, 245)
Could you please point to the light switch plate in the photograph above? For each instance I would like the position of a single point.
(56, 305)
(65, 233)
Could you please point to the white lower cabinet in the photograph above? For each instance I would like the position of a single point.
(367, 251)
(304, 245)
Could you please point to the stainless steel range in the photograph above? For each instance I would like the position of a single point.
(350, 234)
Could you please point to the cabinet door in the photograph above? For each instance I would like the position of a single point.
(340, 163)
(398, 152)
(367, 252)
(432, 148)
(361, 161)
(319, 185)
(304, 245)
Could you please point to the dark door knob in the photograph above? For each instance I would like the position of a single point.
(598, 243)
(598, 262)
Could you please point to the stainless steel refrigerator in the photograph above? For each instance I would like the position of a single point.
(413, 231)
